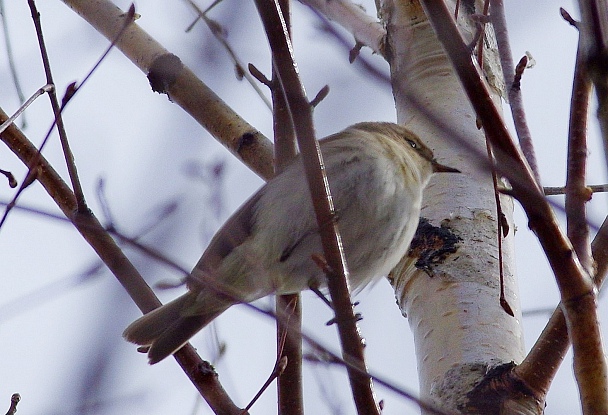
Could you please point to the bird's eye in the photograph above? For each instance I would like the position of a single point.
(412, 143)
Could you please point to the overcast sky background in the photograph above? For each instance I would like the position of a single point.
(60, 332)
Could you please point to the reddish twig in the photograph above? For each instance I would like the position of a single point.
(288, 307)
(540, 366)
(577, 193)
(69, 157)
(301, 114)
(594, 35)
(497, 14)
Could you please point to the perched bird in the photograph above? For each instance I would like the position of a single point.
(376, 172)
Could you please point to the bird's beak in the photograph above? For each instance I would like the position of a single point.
(441, 168)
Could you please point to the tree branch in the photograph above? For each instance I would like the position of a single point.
(594, 40)
(540, 366)
(63, 136)
(221, 37)
(288, 306)
(185, 89)
(94, 233)
(497, 14)
(577, 193)
(301, 114)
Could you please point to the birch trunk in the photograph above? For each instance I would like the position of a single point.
(461, 331)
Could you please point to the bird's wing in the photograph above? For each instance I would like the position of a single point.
(232, 234)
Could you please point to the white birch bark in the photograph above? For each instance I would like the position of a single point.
(459, 326)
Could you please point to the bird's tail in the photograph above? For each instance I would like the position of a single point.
(167, 328)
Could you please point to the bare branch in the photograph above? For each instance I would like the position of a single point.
(497, 14)
(289, 306)
(11, 60)
(577, 193)
(202, 14)
(594, 49)
(301, 114)
(24, 106)
(67, 152)
(560, 190)
(186, 90)
(107, 250)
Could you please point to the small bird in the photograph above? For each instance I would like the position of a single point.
(376, 173)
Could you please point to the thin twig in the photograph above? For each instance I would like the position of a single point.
(207, 10)
(290, 389)
(69, 157)
(577, 194)
(33, 168)
(497, 14)
(23, 107)
(366, 30)
(501, 232)
(217, 33)
(561, 190)
(11, 60)
(279, 367)
(327, 27)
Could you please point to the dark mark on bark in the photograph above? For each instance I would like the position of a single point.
(163, 72)
(432, 244)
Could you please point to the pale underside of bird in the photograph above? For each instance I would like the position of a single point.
(376, 174)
